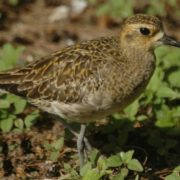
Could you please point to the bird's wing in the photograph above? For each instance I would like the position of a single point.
(64, 76)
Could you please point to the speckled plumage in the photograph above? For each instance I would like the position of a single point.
(144, 19)
(92, 79)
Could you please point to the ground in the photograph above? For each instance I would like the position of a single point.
(28, 155)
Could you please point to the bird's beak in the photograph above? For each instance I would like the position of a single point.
(169, 41)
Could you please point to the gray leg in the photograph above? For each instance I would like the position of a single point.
(80, 144)
(87, 144)
(85, 140)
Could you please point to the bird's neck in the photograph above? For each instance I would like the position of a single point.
(137, 54)
(142, 60)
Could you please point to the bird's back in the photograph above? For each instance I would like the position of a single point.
(70, 65)
(86, 81)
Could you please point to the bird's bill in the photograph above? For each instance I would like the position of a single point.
(169, 41)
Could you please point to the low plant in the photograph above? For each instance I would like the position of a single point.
(11, 106)
(115, 8)
(125, 8)
(159, 7)
(158, 106)
(13, 2)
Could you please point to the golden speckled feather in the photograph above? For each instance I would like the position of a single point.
(60, 75)
(92, 79)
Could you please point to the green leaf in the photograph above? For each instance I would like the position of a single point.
(172, 177)
(142, 117)
(166, 92)
(135, 165)
(174, 78)
(93, 156)
(58, 144)
(31, 119)
(4, 104)
(6, 124)
(177, 169)
(116, 8)
(13, 2)
(156, 80)
(132, 109)
(114, 161)
(9, 57)
(137, 177)
(93, 174)
(19, 123)
(118, 177)
(176, 112)
(86, 168)
(121, 176)
(102, 164)
(12, 98)
(4, 114)
(171, 58)
(103, 10)
(156, 7)
(54, 155)
(124, 172)
(19, 105)
(18, 102)
(164, 117)
(127, 156)
(47, 146)
(67, 166)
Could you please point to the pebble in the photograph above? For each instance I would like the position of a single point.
(78, 6)
(63, 12)
(60, 13)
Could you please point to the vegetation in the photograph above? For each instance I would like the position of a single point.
(157, 106)
(12, 106)
(158, 111)
(115, 8)
(141, 140)
(125, 8)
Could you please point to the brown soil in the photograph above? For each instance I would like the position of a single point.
(28, 25)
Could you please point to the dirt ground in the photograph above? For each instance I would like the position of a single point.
(29, 25)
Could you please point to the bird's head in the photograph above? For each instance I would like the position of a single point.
(144, 32)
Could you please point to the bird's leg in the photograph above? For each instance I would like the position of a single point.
(82, 142)
(85, 140)
(87, 144)
(80, 145)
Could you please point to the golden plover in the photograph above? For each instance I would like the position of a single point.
(92, 79)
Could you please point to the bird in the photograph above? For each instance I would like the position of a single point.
(92, 79)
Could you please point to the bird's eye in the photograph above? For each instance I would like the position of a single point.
(144, 31)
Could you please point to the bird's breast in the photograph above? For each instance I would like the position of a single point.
(118, 87)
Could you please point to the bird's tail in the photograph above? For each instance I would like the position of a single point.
(10, 80)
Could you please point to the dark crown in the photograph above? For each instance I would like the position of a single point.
(144, 19)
